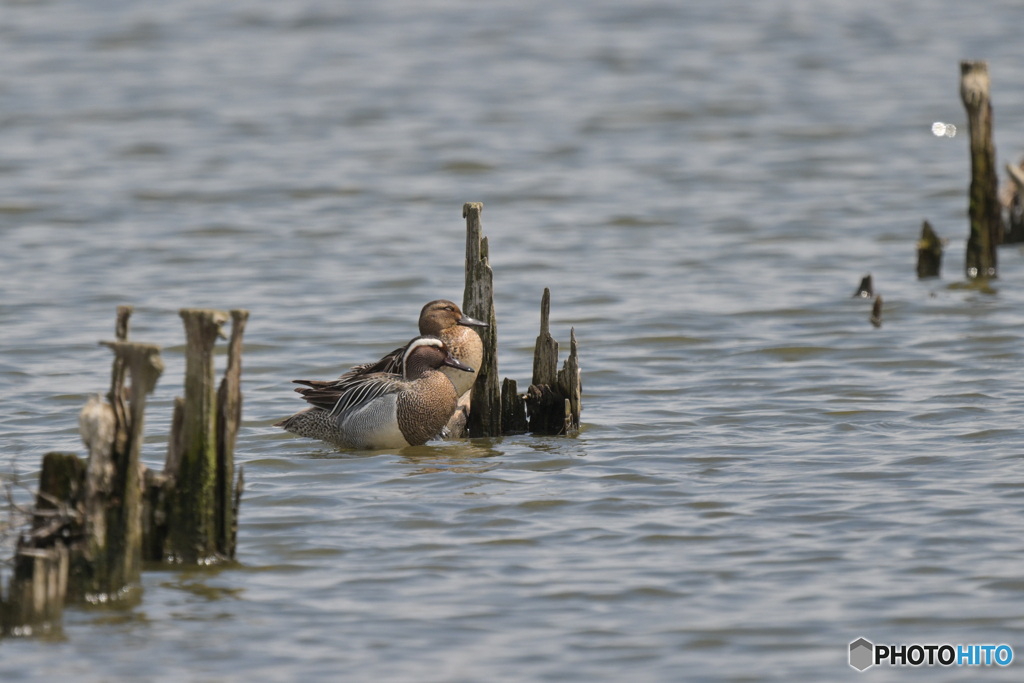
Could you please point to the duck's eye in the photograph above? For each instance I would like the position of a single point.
(449, 309)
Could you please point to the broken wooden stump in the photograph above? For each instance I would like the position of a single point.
(985, 214)
(229, 416)
(199, 474)
(35, 597)
(1015, 204)
(513, 409)
(553, 400)
(113, 550)
(478, 302)
(929, 252)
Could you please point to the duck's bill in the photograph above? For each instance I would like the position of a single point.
(453, 362)
(471, 322)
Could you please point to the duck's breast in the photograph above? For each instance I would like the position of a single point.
(465, 345)
(374, 425)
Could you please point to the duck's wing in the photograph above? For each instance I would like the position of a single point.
(340, 396)
(391, 363)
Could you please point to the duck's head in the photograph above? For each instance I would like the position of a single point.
(428, 353)
(442, 314)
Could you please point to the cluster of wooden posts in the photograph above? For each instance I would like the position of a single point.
(988, 229)
(95, 521)
(552, 402)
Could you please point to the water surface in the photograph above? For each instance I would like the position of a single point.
(762, 477)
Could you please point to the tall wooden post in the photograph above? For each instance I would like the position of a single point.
(478, 302)
(117, 559)
(985, 213)
(192, 515)
(229, 414)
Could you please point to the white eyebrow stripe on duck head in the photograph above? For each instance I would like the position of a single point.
(415, 344)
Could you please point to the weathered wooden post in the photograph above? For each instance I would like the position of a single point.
(1015, 204)
(513, 409)
(985, 213)
(929, 252)
(35, 598)
(571, 386)
(116, 549)
(192, 511)
(553, 399)
(229, 415)
(478, 302)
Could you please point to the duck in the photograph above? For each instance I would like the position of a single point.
(379, 410)
(442, 319)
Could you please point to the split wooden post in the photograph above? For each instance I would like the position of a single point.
(545, 351)
(38, 586)
(192, 514)
(569, 382)
(553, 400)
(985, 212)
(117, 555)
(929, 252)
(1015, 204)
(229, 415)
(513, 409)
(478, 302)
(35, 600)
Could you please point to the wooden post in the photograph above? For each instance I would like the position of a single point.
(117, 556)
(35, 599)
(38, 586)
(229, 414)
(192, 516)
(929, 252)
(569, 382)
(478, 302)
(513, 409)
(1015, 204)
(545, 351)
(985, 214)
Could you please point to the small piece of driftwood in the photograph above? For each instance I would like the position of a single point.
(929, 252)
(985, 212)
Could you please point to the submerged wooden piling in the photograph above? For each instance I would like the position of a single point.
(929, 252)
(478, 302)
(985, 214)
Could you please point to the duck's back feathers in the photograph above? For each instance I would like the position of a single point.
(341, 396)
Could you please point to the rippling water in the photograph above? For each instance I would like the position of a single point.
(762, 476)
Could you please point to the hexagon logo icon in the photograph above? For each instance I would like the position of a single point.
(862, 654)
